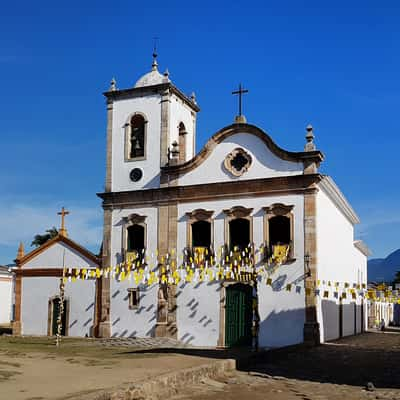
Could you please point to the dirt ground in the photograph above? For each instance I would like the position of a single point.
(335, 371)
(34, 369)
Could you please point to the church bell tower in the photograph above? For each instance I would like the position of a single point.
(149, 126)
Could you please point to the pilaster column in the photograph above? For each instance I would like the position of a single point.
(167, 240)
(164, 129)
(311, 326)
(104, 328)
(109, 145)
(17, 323)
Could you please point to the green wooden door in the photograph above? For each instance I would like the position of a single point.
(56, 311)
(238, 315)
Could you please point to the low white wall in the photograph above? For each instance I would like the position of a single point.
(348, 319)
(329, 319)
(338, 261)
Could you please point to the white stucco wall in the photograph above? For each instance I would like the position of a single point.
(282, 313)
(36, 292)
(198, 309)
(150, 107)
(123, 110)
(338, 261)
(264, 163)
(139, 322)
(126, 322)
(6, 296)
(198, 305)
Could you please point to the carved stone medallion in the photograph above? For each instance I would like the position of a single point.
(237, 162)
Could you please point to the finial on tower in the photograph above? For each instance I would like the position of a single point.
(63, 213)
(113, 85)
(173, 153)
(310, 145)
(193, 97)
(175, 149)
(20, 252)
(166, 75)
(154, 65)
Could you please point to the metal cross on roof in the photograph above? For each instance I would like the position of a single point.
(240, 93)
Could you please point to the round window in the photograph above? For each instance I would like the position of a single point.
(136, 174)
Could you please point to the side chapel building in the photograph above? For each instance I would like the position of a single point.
(240, 195)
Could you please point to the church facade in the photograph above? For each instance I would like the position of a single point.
(243, 242)
(242, 203)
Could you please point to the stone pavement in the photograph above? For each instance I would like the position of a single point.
(339, 370)
(146, 343)
(239, 386)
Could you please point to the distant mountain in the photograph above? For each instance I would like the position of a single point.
(384, 269)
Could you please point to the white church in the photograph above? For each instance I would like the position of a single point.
(242, 201)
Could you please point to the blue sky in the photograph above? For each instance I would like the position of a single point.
(335, 65)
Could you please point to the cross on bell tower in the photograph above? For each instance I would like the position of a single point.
(240, 118)
(63, 213)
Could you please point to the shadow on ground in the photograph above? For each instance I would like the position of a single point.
(356, 360)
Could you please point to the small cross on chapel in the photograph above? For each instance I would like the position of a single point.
(63, 213)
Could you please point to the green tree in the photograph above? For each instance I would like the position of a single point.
(397, 277)
(38, 240)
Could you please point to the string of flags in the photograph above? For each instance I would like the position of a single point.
(239, 266)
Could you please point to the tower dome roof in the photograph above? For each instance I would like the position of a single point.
(153, 77)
